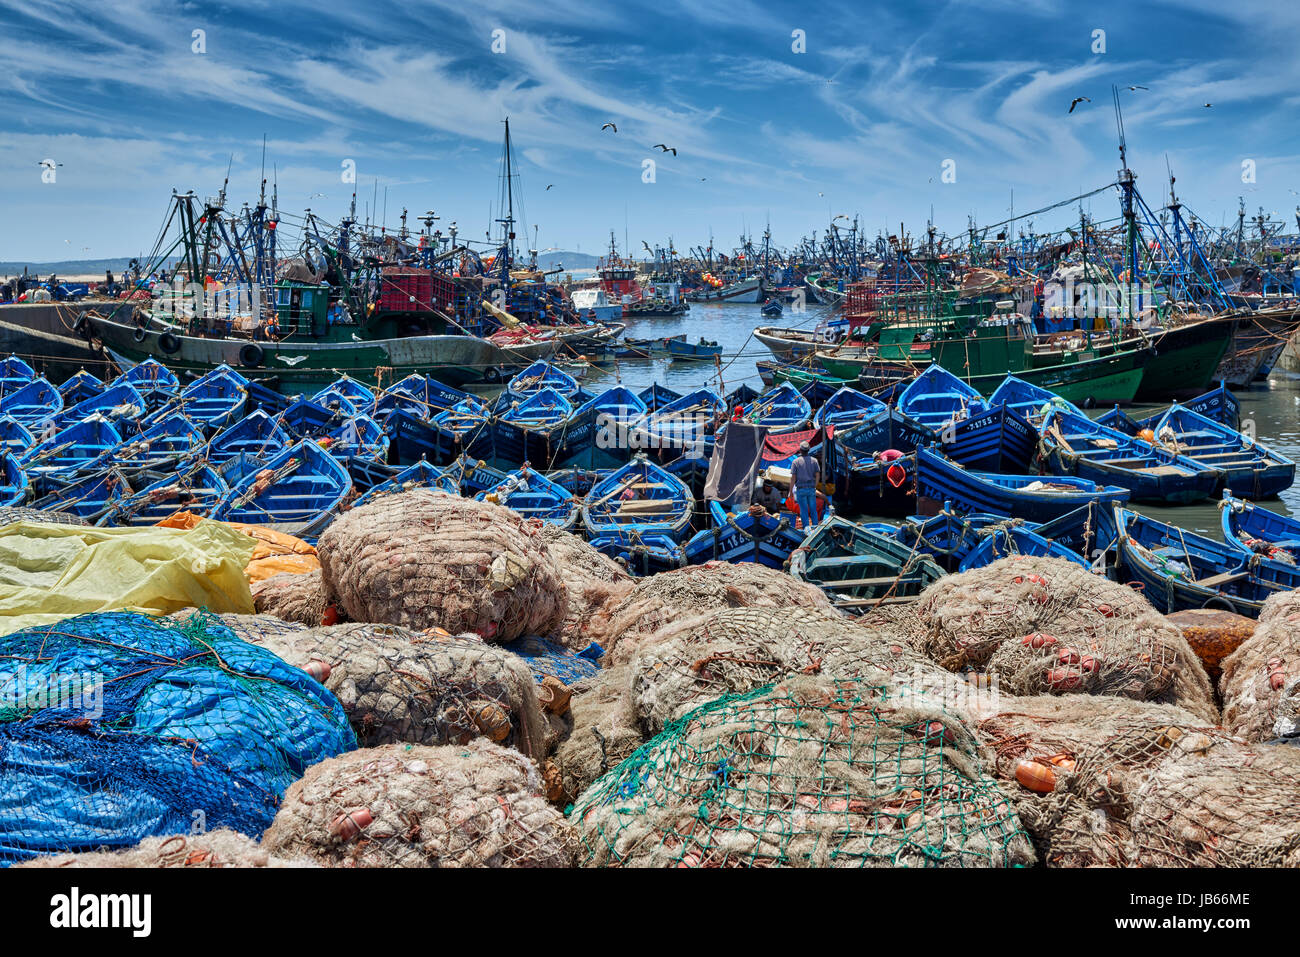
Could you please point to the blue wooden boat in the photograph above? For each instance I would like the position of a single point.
(1005, 540)
(578, 482)
(947, 537)
(256, 434)
(305, 419)
(71, 450)
(848, 407)
(533, 495)
(859, 568)
(1033, 498)
(687, 422)
(657, 396)
(1255, 530)
(525, 429)
(196, 488)
(630, 348)
(303, 486)
(367, 473)
(88, 497)
(14, 484)
(781, 409)
(638, 499)
(1252, 470)
(742, 537)
(471, 475)
(214, 400)
(1178, 569)
(421, 396)
(119, 403)
(1030, 400)
(419, 475)
(83, 385)
(540, 376)
(642, 553)
(34, 404)
(356, 394)
(14, 436)
(156, 383)
(872, 464)
(1072, 444)
(937, 398)
(702, 351)
(413, 438)
(771, 308)
(998, 439)
(357, 436)
(14, 374)
(1088, 531)
(1218, 405)
(266, 399)
(599, 432)
(160, 446)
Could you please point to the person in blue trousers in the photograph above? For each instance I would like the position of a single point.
(804, 474)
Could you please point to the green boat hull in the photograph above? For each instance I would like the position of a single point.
(297, 365)
(1103, 380)
(1185, 360)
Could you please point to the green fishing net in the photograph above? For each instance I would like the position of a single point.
(804, 773)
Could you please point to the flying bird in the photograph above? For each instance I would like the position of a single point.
(703, 179)
(666, 149)
(549, 186)
(321, 195)
(1138, 88)
(821, 194)
(1076, 101)
(50, 164)
(1208, 105)
(609, 126)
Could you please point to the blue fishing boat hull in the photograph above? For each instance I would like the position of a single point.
(938, 480)
(995, 440)
(1179, 570)
(196, 489)
(1255, 530)
(740, 537)
(302, 487)
(641, 554)
(639, 499)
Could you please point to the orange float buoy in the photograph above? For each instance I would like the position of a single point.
(1038, 778)
(1063, 678)
(1038, 640)
(330, 616)
(320, 670)
(351, 823)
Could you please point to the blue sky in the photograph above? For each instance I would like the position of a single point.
(414, 95)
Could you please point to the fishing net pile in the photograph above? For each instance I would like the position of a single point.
(1283, 604)
(16, 513)
(299, 598)
(804, 773)
(398, 685)
(731, 651)
(595, 583)
(117, 727)
(1109, 782)
(668, 597)
(214, 849)
(424, 558)
(470, 805)
(550, 659)
(1261, 683)
(1048, 626)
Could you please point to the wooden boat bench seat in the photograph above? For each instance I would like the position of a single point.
(1161, 470)
(645, 506)
(1227, 578)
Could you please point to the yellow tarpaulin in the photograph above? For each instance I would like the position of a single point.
(274, 552)
(52, 572)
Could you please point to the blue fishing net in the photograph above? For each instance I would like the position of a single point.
(115, 727)
(548, 658)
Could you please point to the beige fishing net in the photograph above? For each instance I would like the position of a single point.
(401, 805)
(424, 558)
(214, 849)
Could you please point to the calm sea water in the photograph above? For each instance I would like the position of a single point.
(1273, 406)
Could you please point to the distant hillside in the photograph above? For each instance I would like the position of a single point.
(71, 267)
(569, 260)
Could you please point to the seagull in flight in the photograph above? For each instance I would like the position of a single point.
(1076, 101)
(48, 164)
(609, 126)
(1208, 105)
(548, 187)
(1138, 88)
(314, 195)
(666, 149)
